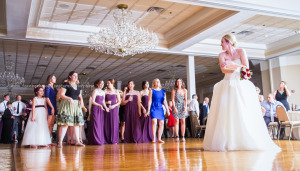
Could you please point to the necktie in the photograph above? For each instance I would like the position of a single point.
(18, 108)
(271, 112)
(207, 107)
(4, 105)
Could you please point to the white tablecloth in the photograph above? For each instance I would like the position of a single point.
(293, 116)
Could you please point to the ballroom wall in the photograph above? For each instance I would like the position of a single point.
(284, 68)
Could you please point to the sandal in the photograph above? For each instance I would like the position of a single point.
(183, 139)
(176, 139)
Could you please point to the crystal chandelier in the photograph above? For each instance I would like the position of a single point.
(169, 84)
(8, 78)
(124, 37)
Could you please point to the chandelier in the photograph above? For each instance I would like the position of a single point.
(8, 78)
(124, 37)
(87, 88)
(169, 84)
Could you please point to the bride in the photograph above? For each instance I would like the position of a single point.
(235, 121)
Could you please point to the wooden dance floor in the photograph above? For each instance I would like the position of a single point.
(147, 156)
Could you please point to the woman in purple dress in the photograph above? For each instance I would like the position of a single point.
(133, 131)
(146, 122)
(96, 133)
(111, 118)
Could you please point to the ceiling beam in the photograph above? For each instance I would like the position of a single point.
(196, 24)
(17, 13)
(225, 25)
(286, 8)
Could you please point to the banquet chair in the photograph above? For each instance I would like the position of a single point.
(272, 128)
(284, 121)
(199, 128)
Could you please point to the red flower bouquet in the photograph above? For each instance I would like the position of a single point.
(245, 73)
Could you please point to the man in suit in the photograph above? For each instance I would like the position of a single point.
(8, 120)
(204, 110)
(3, 107)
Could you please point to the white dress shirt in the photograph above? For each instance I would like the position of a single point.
(3, 106)
(194, 106)
(22, 108)
(207, 107)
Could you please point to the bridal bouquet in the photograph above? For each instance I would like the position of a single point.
(245, 73)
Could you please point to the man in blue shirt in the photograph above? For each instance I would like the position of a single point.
(270, 108)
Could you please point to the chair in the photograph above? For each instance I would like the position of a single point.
(272, 127)
(199, 128)
(284, 120)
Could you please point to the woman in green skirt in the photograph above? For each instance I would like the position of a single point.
(70, 108)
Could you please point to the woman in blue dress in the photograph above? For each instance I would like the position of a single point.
(157, 98)
(50, 96)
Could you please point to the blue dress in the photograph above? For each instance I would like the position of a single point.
(51, 94)
(156, 109)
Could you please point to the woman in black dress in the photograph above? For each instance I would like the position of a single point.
(282, 93)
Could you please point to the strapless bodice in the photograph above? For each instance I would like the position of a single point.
(236, 74)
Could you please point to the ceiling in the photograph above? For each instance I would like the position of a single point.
(49, 36)
(35, 61)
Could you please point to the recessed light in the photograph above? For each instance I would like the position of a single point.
(64, 6)
(46, 57)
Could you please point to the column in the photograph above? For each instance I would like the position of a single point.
(119, 85)
(190, 71)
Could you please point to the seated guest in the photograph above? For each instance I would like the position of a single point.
(8, 120)
(270, 109)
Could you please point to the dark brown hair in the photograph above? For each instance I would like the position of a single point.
(36, 89)
(97, 82)
(70, 74)
(144, 83)
(111, 81)
(175, 85)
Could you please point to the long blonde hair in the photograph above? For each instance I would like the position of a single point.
(154, 82)
(231, 39)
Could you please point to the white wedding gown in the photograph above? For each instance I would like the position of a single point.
(235, 120)
(37, 132)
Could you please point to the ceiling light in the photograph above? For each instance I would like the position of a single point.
(124, 37)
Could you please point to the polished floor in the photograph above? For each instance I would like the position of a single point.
(147, 156)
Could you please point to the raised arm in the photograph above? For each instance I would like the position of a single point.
(223, 64)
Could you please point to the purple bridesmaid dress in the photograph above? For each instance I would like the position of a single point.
(146, 123)
(96, 133)
(111, 118)
(133, 130)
